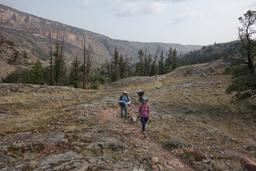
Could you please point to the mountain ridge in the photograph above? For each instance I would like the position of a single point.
(102, 45)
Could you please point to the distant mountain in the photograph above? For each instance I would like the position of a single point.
(31, 33)
(211, 53)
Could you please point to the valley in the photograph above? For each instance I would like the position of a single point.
(193, 125)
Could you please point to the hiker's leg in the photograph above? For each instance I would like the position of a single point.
(125, 112)
(142, 120)
(146, 120)
(122, 111)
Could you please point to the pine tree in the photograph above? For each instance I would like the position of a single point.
(37, 73)
(74, 74)
(161, 67)
(56, 61)
(168, 61)
(59, 63)
(148, 63)
(174, 59)
(140, 65)
(154, 66)
(122, 66)
(115, 70)
(51, 72)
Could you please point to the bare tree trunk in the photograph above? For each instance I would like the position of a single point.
(249, 55)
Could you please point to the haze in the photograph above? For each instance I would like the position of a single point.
(177, 21)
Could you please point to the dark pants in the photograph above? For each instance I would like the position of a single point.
(143, 123)
(123, 111)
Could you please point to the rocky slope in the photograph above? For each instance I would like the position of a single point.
(13, 58)
(193, 125)
(31, 32)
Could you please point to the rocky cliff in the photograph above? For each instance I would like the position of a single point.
(31, 32)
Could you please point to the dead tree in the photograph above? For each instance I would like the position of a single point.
(246, 35)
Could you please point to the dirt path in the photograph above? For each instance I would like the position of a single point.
(160, 157)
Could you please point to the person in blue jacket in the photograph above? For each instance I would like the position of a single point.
(124, 100)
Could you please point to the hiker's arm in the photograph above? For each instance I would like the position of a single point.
(129, 100)
(139, 110)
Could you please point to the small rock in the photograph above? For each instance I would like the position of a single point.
(107, 143)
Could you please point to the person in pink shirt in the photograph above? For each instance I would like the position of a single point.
(144, 113)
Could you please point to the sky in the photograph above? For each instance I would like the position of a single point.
(197, 22)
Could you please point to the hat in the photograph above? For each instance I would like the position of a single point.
(125, 92)
(140, 90)
(144, 98)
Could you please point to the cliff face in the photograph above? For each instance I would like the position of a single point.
(32, 32)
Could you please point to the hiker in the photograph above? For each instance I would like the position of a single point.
(144, 113)
(124, 100)
(140, 94)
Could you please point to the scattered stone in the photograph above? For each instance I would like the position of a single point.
(107, 143)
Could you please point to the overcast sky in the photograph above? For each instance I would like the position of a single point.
(174, 21)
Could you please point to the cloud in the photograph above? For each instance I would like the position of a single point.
(128, 8)
(188, 15)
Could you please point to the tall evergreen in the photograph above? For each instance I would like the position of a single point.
(37, 73)
(115, 70)
(168, 61)
(59, 63)
(148, 63)
(51, 72)
(174, 59)
(161, 67)
(154, 66)
(140, 65)
(74, 73)
(122, 66)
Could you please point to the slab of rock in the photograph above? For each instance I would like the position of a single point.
(107, 143)
(33, 141)
(65, 161)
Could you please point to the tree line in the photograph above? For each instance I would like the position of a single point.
(80, 73)
(147, 64)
